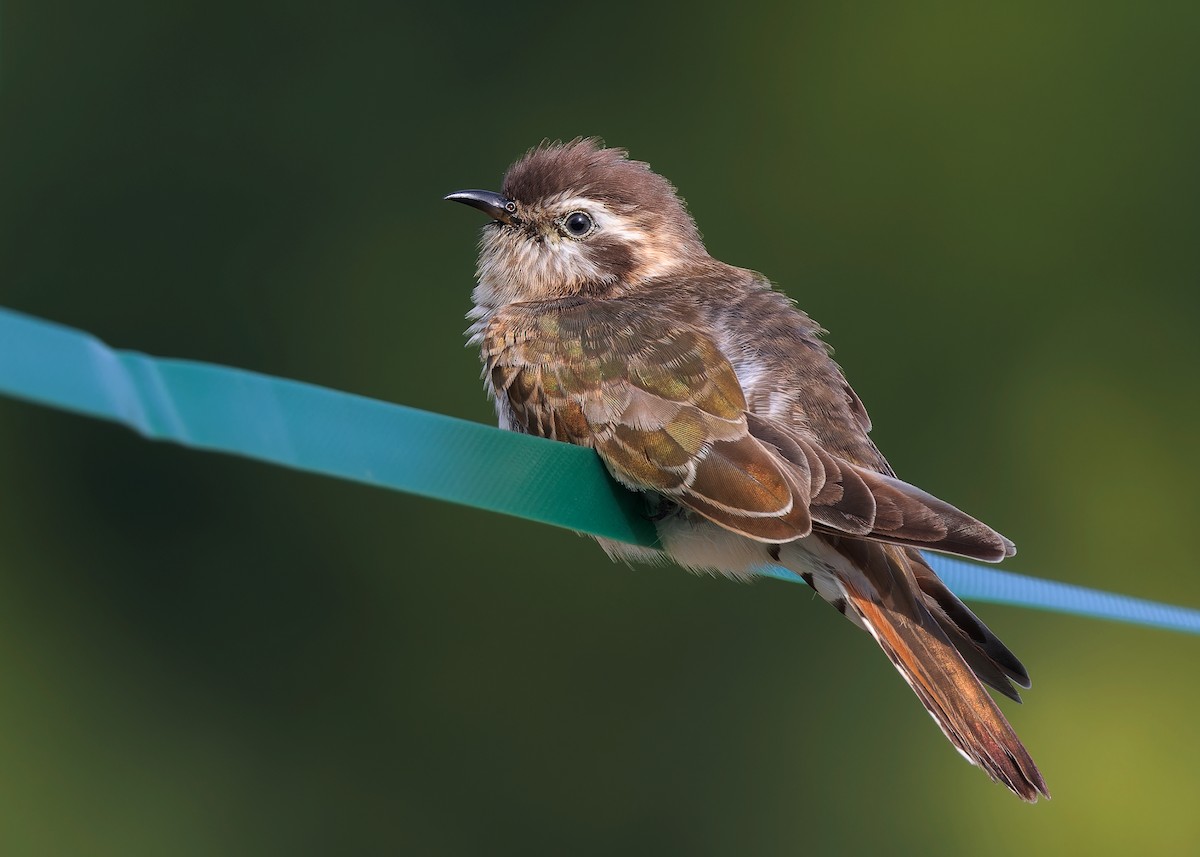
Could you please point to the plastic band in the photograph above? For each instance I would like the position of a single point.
(325, 431)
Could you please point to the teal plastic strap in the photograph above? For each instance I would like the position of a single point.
(325, 431)
(315, 429)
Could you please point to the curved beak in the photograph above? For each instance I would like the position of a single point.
(495, 205)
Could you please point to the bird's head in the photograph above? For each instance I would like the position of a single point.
(577, 219)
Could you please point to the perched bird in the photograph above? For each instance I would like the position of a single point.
(604, 322)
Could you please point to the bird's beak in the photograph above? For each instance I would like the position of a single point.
(495, 205)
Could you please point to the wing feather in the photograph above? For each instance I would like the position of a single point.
(662, 405)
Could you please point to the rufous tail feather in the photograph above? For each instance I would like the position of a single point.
(889, 603)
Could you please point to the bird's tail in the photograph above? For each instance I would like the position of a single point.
(941, 649)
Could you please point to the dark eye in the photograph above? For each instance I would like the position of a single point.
(578, 224)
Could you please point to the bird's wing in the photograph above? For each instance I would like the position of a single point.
(658, 400)
(655, 398)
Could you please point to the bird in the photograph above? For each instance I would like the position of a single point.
(603, 321)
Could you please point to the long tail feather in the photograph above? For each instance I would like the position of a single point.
(990, 659)
(883, 590)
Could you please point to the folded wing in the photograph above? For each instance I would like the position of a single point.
(661, 404)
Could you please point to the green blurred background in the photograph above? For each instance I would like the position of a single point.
(993, 210)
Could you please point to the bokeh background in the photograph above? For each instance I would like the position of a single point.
(994, 210)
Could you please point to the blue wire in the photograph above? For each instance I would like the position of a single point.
(973, 582)
(992, 585)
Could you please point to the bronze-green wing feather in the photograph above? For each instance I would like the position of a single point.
(655, 398)
(662, 405)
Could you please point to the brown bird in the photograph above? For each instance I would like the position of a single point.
(604, 322)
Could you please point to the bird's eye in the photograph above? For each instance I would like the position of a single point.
(578, 224)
